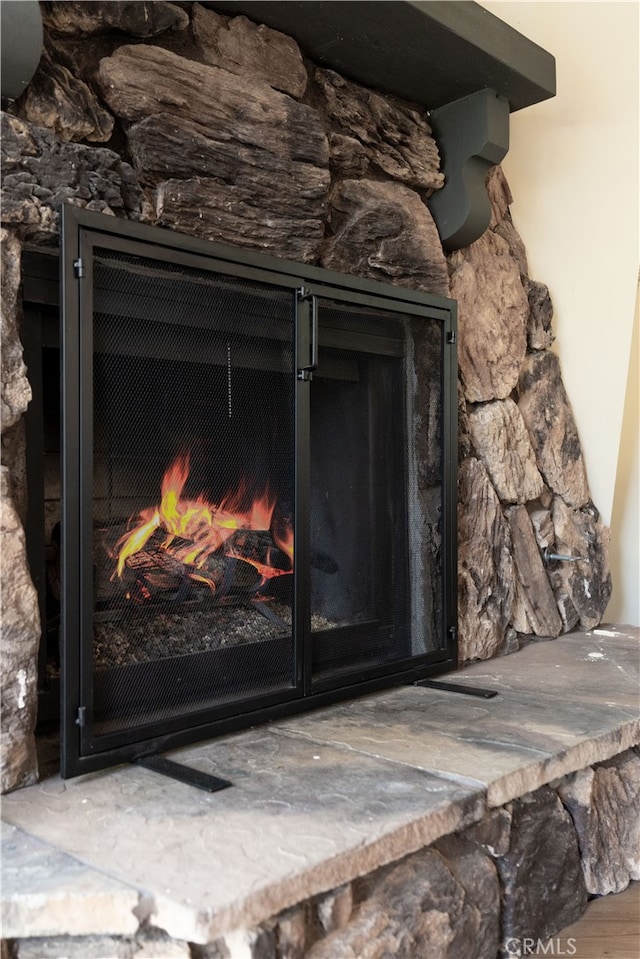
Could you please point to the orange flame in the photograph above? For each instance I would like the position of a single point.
(201, 528)
(284, 541)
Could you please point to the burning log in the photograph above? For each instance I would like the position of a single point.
(184, 546)
(240, 568)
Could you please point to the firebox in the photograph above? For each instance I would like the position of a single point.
(257, 508)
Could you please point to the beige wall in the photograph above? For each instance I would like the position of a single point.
(625, 522)
(573, 170)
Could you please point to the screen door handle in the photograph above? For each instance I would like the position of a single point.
(307, 334)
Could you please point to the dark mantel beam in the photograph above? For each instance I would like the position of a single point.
(429, 51)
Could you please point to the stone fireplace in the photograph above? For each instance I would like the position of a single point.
(206, 124)
(406, 819)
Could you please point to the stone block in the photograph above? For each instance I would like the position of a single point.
(418, 901)
(301, 819)
(604, 803)
(15, 393)
(335, 909)
(501, 198)
(231, 159)
(511, 642)
(465, 448)
(102, 16)
(247, 124)
(507, 231)
(63, 103)
(582, 589)
(508, 745)
(485, 565)
(492, 317)
(502, 442)
(546, 410)
(542, 528)
(475, 871)
(250, 49)
(426, 406)
(534, 608)
(395, 136)
(18, 651)
(541, 875)
(540, 336)
(40, 173)
(235, 214)
(499, 193)
(347, 156)
(383, 231)
(592, 673)
(14, 451)
(492, 833)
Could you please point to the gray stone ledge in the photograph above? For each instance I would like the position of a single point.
(48, 893)
(561, 706)
(301, 819)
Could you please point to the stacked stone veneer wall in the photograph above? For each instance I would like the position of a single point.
(517, 877)
(174, 115)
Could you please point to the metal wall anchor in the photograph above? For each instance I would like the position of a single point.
(563, 558)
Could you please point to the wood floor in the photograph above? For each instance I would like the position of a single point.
(609, 929)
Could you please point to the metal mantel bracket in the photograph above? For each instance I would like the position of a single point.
(472, 135)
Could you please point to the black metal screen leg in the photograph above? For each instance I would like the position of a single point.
(458, 688)
(184, 774)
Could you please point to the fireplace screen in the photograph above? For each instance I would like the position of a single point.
(257, 506)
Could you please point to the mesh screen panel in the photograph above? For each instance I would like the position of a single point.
(193, 487)
(360, 587)
(376, 490)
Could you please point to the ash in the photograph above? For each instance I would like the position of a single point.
(163, 634)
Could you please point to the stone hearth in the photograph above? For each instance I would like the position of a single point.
(410, 817)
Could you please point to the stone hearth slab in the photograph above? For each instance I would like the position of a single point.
(600, 666)
(323, 798)
(50, 893)
(300, 819)
(561, 706)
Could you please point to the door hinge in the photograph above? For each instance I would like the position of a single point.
(453, 634)
(451, 336)
(78, 268)
(81, 717)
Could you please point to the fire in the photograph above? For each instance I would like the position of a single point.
(191, 530)
(284, 541)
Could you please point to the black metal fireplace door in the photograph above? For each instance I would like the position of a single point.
(258, 506)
